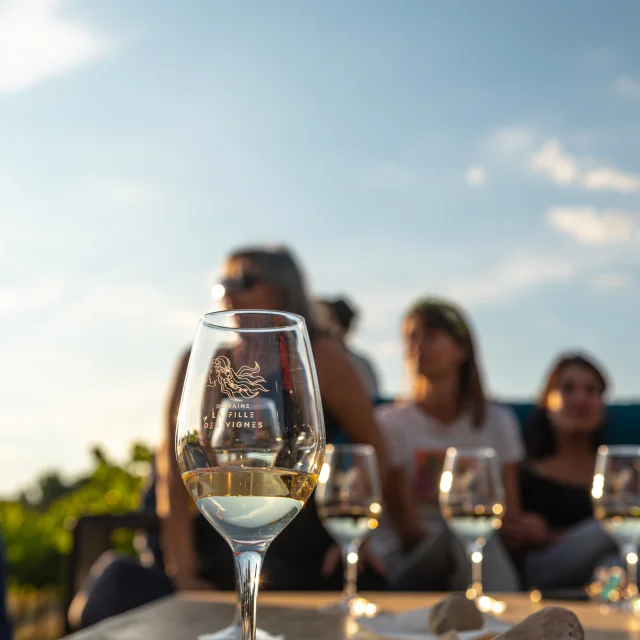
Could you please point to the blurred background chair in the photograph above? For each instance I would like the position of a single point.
(93, 536)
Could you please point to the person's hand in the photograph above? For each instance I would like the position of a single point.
(526, 529)
(190, 582)
(333, 557)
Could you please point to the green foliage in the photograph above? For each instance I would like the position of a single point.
(38, 534)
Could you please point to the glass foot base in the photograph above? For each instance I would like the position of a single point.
(356, 607)
(232, 632)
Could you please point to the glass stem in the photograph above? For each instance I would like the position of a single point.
(248, 565)
(350, 588)
(476, 556)
(631, 560)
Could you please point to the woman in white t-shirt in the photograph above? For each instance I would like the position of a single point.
(447, 407)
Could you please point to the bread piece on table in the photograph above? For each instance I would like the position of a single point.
(454, 613)
(555, 623)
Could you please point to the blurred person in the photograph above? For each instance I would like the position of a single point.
(194, 555)
(562, 544)
(340, 316)
(260, 278)
(447, 407)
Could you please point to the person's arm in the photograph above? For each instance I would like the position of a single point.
(507, 441)
(346, 396)
(173, 502)
(520, 530)
(513, 504)
(400, 506)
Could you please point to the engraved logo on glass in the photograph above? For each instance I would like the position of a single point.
(243, 384)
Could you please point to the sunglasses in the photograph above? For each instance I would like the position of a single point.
(242, 283)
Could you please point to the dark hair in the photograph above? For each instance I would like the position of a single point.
(539, 434)
(440, 314)
(280, 271)
(342, 311)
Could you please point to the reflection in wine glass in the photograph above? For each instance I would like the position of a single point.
(250, 435)
(349, 501)
(249, 426)
(472, 503)
(616, 503)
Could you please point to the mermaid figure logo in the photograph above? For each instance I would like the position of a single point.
(243, 384)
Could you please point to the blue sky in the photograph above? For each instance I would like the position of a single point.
(482, 150)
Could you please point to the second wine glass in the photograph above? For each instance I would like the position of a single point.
(349, 500)
(472, 504)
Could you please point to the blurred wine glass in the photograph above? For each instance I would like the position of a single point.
(349, 501)
(616, 504)
(472, 504)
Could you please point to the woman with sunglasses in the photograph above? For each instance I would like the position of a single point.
(258, 278)
(193, 555)
(562, 544)
(447, 407)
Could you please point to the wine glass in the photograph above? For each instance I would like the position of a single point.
(472, 504)
(616, 504)
(250, 437)
(349, 500)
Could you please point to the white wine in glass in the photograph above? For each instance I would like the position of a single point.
(250, 437)
(472, 504)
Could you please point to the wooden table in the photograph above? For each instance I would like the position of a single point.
(296, 615)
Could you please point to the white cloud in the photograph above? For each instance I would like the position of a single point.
(512, 277)
(35, 297)
(515, 276)
(613, 281)
(476, 175)
(590, 226)
(564, 169)
(37, 43)
(511, 140)
(552, 161)
(627, 88)
(139, 302)
(612, 179)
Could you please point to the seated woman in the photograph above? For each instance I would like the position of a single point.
(447, 407)
(195, 556)
(562, 544)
